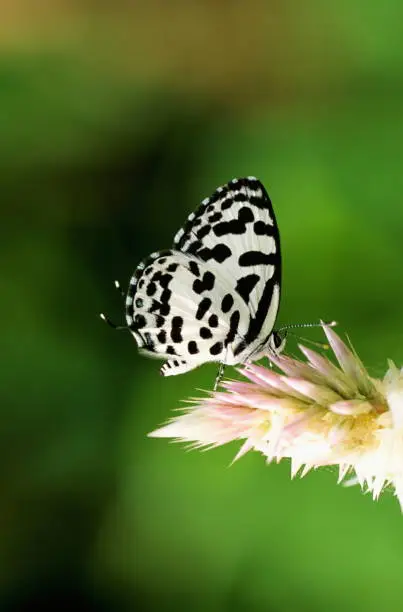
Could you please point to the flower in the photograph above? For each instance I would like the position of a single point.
(312, 412)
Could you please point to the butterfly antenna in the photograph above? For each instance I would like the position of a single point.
(322, 345)
(119, 288)
(107, 320)
(321, 324)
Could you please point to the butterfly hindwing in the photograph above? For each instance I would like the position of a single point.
(178, 308)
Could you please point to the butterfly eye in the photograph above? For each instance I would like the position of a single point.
(278, 339)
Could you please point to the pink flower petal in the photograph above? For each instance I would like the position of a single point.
(350, 363)
(260, 380)
(274, 380)
(320, 394)
(352, 407)
(297, 426)
(335, 378)
(299, 369)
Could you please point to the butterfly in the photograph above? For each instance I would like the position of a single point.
(215, 295)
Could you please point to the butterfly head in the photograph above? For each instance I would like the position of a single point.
(277, 341)
(278, 337)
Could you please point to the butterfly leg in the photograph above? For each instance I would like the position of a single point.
(107, 320)
(219, 376)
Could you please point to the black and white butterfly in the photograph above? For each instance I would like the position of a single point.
(215, 295)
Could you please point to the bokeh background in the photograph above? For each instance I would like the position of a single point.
(116, 119)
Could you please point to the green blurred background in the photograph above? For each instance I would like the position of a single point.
(116, 119)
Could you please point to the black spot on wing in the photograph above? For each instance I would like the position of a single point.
(216, 348)
(205, 284)
(156, 305)
(165, 309)
(161, 278)
(162, 336)
(166, 296)
(251, 182)
(213, 320)
(220, 253)
(256, 258)
(162, 307)
(233, 327)
(205, 333)
(192, 347)
(165, 280)
(139, 321)
(176, 329)
(263, 229)
(227, 203)
(203, 232)
(172, 267)
(194, 268)
(235, 226)
(203, 308)
(245, 286)
(256, 201)
(227, 303)
(151, 289)
(214, 217)
(193, 247)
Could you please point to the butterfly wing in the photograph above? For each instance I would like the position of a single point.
(235, 233)
(179, 309)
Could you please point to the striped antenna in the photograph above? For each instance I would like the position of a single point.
(321, 324)
(322, 345)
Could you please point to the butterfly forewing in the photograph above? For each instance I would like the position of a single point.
(236, 234)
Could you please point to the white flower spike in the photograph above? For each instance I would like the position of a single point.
(314, 413)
